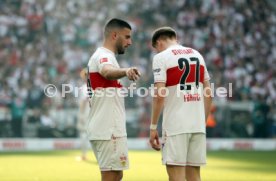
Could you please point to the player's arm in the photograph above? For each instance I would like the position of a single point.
(157, 107)
(83, 74)
(207, 97)
(110, 72)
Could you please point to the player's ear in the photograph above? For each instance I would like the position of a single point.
(157, 43)
(160, 43)
(114, 35)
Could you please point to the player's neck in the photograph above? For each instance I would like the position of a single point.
(109, 47)
(171, 43)
(168, 44)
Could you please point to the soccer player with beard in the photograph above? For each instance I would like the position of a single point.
(106, 127)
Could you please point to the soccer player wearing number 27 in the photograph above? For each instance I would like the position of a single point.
(180, 75)
(106, 127)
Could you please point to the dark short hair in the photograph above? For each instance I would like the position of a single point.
(164, 32)
(115, 23)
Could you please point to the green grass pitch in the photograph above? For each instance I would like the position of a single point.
(145, 166)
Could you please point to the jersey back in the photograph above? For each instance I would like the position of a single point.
(183, 70)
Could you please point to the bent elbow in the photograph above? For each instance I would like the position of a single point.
(106, 75)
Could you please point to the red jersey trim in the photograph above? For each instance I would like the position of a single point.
(174, 75)
(98, 81)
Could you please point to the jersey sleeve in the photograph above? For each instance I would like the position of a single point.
(104, 60)
(159, 69)
(206, 74)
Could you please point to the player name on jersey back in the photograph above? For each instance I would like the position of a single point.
(182, 51)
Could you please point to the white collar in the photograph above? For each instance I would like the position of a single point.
(108, 50)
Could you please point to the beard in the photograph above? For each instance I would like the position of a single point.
(119, 47)
(120, 50)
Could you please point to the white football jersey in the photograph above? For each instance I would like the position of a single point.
(183, 70)
(107, 113)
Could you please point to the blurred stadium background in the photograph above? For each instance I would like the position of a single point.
(49, 41)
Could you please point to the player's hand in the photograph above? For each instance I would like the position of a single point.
(133, 73)
(154, 140)
(83, 74)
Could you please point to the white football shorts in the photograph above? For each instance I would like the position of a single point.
(187, 149)
(111, 154)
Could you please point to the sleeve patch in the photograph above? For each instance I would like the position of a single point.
(103, 60)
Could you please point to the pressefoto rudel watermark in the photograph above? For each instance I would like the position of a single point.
(51, 90)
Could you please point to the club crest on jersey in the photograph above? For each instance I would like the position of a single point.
(123, 160)
(103, 60)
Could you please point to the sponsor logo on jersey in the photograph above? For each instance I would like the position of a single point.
(103, 60)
